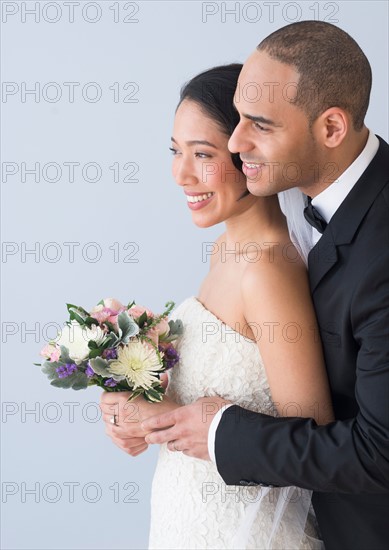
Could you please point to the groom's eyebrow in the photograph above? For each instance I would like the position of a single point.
(198, 142)
(261, 120)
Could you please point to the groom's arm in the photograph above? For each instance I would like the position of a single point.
(350, 456)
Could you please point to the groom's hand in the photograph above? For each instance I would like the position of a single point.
(186, 428)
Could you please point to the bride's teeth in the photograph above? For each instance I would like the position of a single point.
(199, 198)
(251, 165)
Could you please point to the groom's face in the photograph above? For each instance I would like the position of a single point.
(273, 136)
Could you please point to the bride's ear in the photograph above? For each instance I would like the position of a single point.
(331, 127)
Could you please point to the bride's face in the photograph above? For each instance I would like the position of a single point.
(202, 165)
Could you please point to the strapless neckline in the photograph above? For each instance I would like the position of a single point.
(202, 306)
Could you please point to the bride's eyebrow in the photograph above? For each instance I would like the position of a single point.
(197, 142)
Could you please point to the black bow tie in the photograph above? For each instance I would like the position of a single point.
(314, 218)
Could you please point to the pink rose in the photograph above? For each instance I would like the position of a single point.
(136, 311)
(103, 314)
(51, 352)
(154, 333)
(157, 331)
(113, 304)
(107, 312)
(162, 327)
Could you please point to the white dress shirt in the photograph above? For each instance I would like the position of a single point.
(326, 203)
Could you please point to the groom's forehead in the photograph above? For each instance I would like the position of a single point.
(261, 67)
(266, 80)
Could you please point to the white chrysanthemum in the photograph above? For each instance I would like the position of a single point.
(75, 338)
(138, 363)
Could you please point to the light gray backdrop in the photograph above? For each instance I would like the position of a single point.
(92, 87)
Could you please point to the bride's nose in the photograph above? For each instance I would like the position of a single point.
(184, 173)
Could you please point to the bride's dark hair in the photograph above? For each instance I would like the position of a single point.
(213, 90)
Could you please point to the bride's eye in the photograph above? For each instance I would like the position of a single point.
(203, 156)
(173, 151)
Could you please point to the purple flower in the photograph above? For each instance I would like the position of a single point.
(89, 371)
(110, 353)
(110, 383)
(171, 356)
(66, 370)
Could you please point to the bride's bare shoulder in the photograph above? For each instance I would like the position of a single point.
(278, 268)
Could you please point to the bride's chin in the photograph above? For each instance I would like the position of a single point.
(204, 222)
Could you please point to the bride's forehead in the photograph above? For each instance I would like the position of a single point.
(191, 119)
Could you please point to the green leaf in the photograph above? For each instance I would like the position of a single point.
(152, 396)
(75, 316)
(92, 345)
(89, 321)
(65, 355)
(76, 381)
(135, 394)
(77, 313)
(49, 367)
(158, 387)
(111, 327)
(71, 307)
(100, 366)
(37, 364)
(111, 341)
(95, 353)
(101, 303)
(176, 327)
(127, 327)
(168, 308)
(81, 381)
(142, 319)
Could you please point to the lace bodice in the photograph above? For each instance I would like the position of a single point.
(216, 360)
(191, 505)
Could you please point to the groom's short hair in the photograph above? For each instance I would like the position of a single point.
(333, 70)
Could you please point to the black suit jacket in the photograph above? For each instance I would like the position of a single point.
(345, 463)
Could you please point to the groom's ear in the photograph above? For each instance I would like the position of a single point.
(331, 127)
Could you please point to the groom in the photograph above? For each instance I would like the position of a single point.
(302, 97)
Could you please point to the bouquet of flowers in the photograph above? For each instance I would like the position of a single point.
(117, 347)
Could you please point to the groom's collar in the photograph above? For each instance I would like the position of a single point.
(349, 215)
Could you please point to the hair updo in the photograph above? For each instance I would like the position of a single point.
(213, 91)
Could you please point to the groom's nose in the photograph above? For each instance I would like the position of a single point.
(238, 142)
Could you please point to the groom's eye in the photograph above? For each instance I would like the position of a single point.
(260, 127)
(173, 151)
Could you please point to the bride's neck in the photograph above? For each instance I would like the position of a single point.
(262, 222)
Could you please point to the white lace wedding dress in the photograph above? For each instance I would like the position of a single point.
(191, 506)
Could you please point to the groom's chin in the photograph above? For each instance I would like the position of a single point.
(260, 188)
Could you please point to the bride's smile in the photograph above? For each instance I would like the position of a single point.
(198, 200)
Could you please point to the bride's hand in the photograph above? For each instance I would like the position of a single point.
(122, 419)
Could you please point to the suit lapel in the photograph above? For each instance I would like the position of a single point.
(348, 217)
(321, 258)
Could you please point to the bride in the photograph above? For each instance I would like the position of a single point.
(250, 337)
